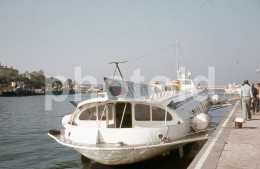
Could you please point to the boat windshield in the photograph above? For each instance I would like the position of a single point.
(95, 112)
(89, 114)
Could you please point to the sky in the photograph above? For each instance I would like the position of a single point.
(57, 36)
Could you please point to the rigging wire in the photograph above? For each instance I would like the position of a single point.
(152, 52)
(145, 54)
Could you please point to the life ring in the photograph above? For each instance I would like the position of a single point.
(54, 132)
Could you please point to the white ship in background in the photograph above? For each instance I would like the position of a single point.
(133, 122)
(233, 88)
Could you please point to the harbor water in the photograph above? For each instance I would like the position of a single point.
(24, 143)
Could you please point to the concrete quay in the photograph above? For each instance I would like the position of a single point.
(231, 148)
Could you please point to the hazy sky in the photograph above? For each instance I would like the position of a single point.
(56, 36)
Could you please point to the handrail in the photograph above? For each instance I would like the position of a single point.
(123, 115)
(102, 115)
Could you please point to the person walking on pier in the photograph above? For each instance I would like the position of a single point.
(257, 98)
(254, 99)
(246, 95)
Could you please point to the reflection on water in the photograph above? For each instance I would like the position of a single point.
(24, 142)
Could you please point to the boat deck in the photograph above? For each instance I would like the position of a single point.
(231, 148)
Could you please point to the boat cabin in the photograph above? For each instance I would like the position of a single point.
(124, 115)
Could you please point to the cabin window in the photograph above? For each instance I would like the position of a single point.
(89, 114)
(142, 112)
(158, 114)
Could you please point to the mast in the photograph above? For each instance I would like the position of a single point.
(179, 76)
(177, 61)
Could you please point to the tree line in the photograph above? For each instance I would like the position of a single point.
(32, 80)
(35, 80)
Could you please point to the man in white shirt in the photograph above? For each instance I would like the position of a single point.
(246, 95)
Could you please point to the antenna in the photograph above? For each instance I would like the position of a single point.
(117, 67)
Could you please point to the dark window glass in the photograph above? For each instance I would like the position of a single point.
(142, 112)
(158, 114)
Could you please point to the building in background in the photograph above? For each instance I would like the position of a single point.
(5, 71)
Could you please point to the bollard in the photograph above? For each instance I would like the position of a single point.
(238, 125)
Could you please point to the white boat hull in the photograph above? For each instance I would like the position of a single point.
(116, 154)
(125, 156)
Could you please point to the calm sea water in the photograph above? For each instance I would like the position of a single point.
(24, 142)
